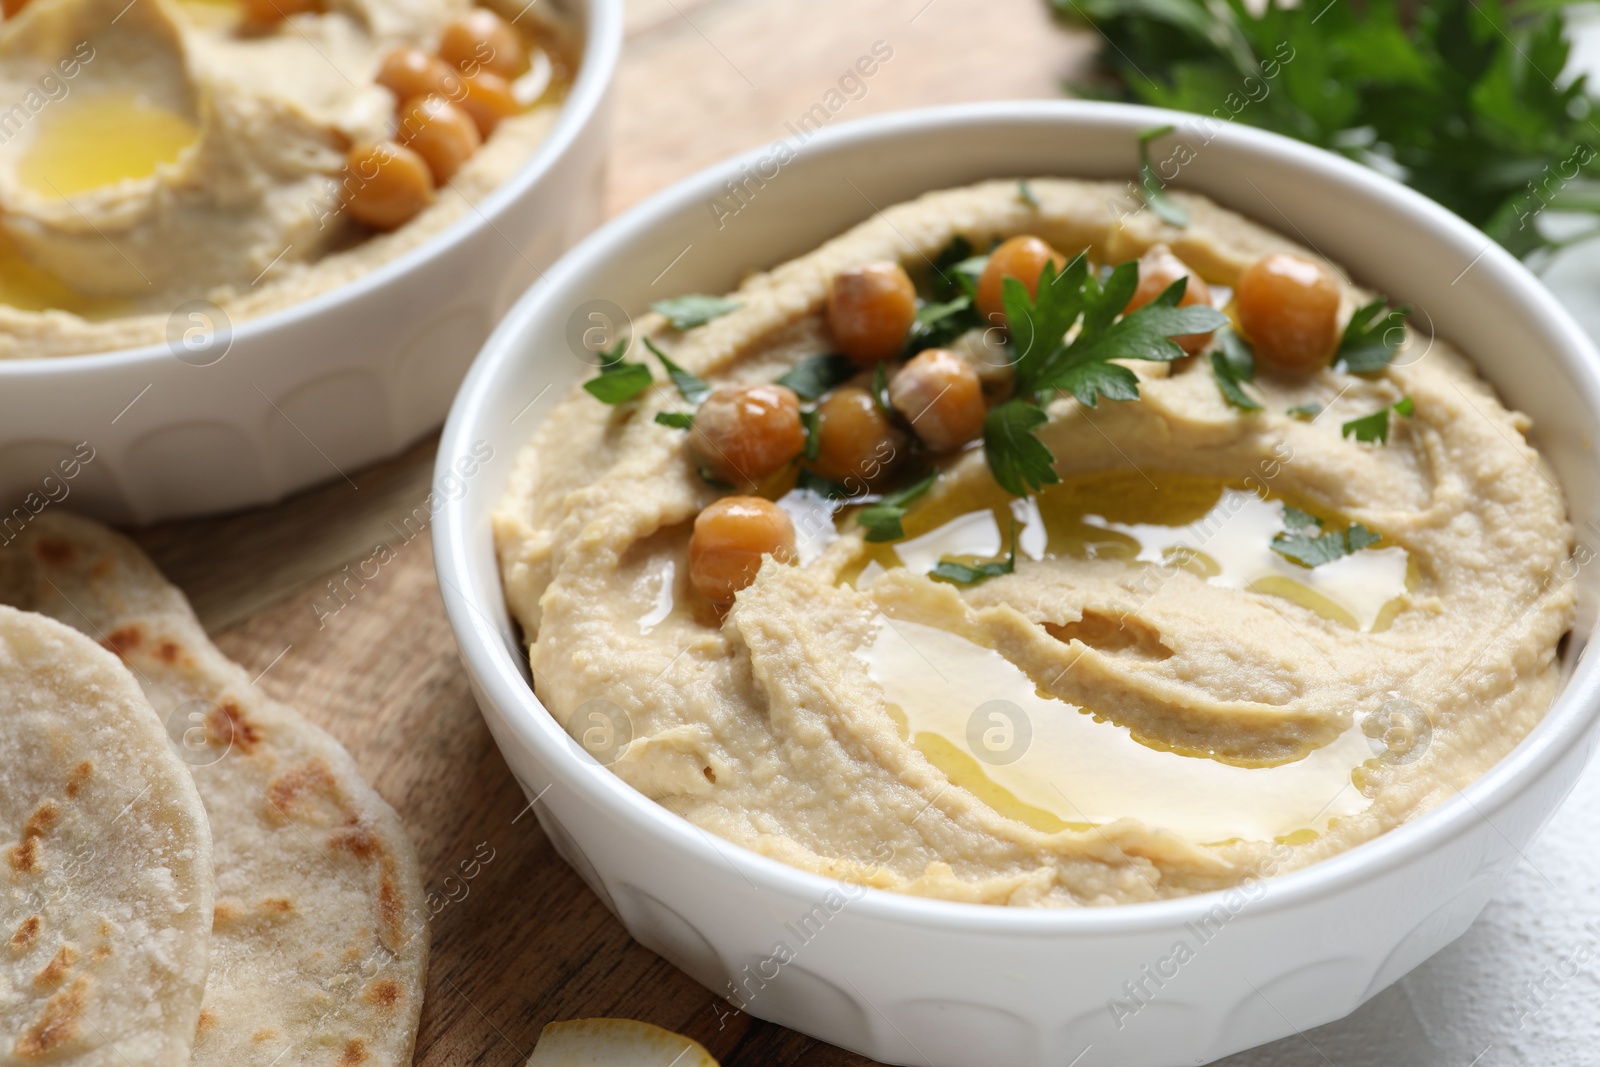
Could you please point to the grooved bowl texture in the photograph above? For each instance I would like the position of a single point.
(323, 387)
(914, 981)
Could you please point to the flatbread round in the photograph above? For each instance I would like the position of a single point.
(319, 952)
(105, 862)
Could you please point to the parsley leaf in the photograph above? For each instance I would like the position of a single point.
(946, 275)
(1372, 337)
(1018, 460)
(1295, 519)
(1045, 361)
(882, 520)
(1025, 194)
(1312, 551)
(678, 420)
(1151, 188)
(937, 324)
(880, 389)
(812, 377)
(957, 573)
(691, 387)
(1464, 100)
(816, 483)
(1375, 427)
(618, 381)
(695, 309)
(811, 423)
(1305, 412)
(1232, 364)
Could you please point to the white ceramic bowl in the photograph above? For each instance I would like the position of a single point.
(912, 981)
(325, 386)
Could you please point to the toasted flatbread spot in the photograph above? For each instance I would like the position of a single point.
(204, 1023)
(102, 568)
(80, 774)
(225, 724)
(54, 551)
(25, 856)
(223, 913)
(123, 639)
(355, 1051)
(313, 776)
(55, 972)
(356, 840)
(57, 1023)
(264, 1035)
(27, 932)
(278, 905)
(385, 993)
(168, 651)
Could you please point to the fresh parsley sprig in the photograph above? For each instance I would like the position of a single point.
(618, 381)
(1372, 337)
(1233, 364)
(1375, 427)
(815, 375)
(694, 309)
(1306, 543)
(691, 387)
(882, 520)
(1064, 339)
(1151, 188)
(958, 573)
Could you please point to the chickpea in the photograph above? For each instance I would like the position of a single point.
(439, 132)
(730, 540)
(743, 433)
(857, 442)
(1158, 269)
(870, 311)
(265, 12)
(1289, 309)
(941, 397)
(1022, 258)
(487, 98)
(482, 40)
(386, 184)
(410, 72)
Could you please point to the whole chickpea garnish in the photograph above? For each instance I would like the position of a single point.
(731, 539)
(941, 398)
(871, 310)
(1158, 269)
(1022, 258)
(1289, 310)
(741, 434)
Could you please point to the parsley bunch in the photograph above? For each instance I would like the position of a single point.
(1464, 100)
(1064, 340)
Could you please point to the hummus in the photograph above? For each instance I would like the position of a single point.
(1154, 703)
(165, 151)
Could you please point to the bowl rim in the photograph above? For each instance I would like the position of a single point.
(603, 30)
(498, 674)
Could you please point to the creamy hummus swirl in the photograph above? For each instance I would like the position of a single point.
(1200, 731)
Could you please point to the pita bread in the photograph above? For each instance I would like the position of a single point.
(105, 862)
(615, 1043)
(319, 951)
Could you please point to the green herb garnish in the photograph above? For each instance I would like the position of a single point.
(882, 519)
(816, 483)
(678, 420)
(692, 388)
(1372, 337)
(880, 389)
(1233, 364)
(618, 381)
(1468, 101)
(1025, 194)
(938, 324)
(1045, 361)
(695, 309)
(1375, 427)
(811, 423)
(946, 276)
(1305, 412)
(812, 377)
(957, 573)
(1151, 188)
(1303, 545)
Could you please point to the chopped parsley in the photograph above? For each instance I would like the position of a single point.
(1025, 194)
(880, 389)
(678, 420)
(957, 573)
(1372, 337)
(1233, 364)
(1305, 412)
(618, 381)
(1306, 543)
(695, 309)
(1151, 188)
(812, 377)
(938, 324)
(691, 387)
(816, 483)
(1045, 361)
(1375, 427)
(811, 423)
(882, 519)
(956, 269)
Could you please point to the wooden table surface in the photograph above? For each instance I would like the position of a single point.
(529, 943)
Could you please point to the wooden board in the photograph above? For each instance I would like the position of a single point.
(366, 651)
